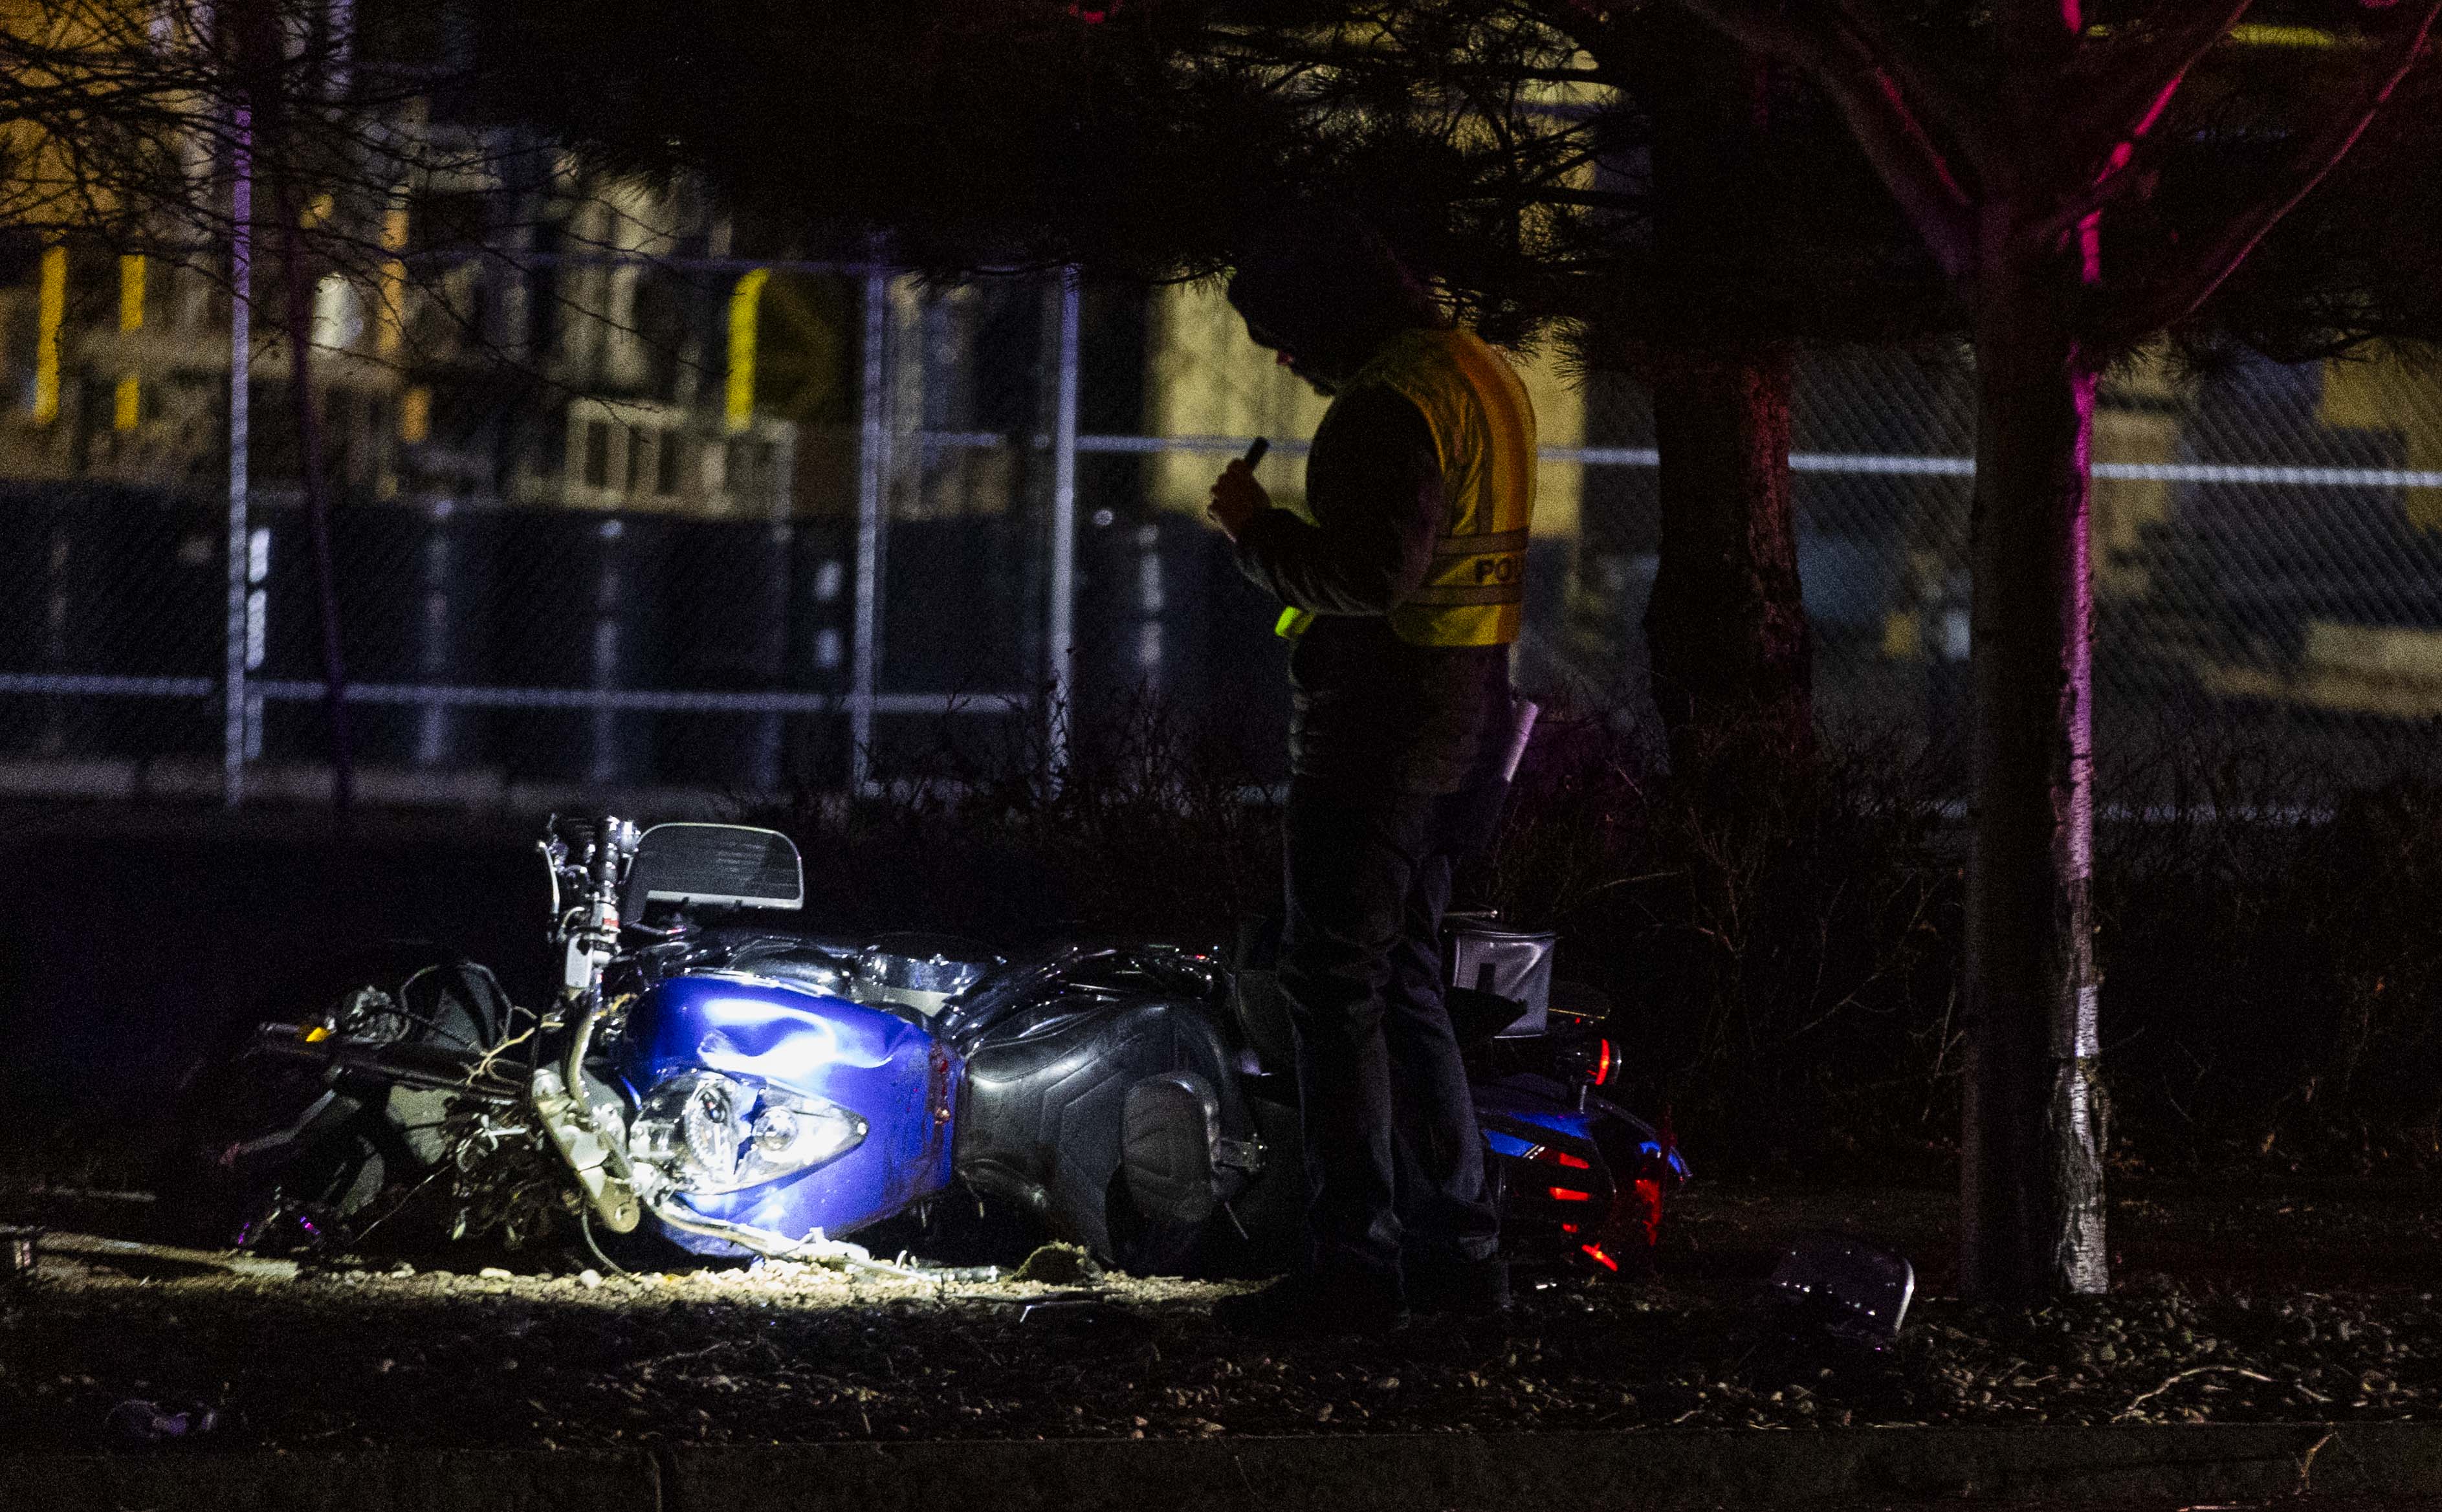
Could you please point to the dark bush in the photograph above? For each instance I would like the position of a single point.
(1147, 828)
(2272, 950)
(1784, 956)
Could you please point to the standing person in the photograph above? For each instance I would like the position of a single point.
(1404, 587)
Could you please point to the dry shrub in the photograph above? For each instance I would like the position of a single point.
(2272, 944)
(1778, 931)
(1149, 827)
(1781, 935)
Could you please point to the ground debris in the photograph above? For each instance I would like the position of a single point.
(547, 1351)
(1059, 1264)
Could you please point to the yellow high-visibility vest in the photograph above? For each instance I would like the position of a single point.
(1483, 423)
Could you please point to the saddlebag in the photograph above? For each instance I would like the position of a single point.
(1170, 1142)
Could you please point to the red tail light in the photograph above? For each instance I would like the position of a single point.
(1603, 1061)
(1604, 1260)
(1569, 1194)
(1560, 1157)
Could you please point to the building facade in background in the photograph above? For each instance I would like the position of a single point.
(621, 506)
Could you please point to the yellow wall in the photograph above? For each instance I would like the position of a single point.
(1204, 378)
(1560, 420)
(2378, 391)
(2138, 422)
(44, 181)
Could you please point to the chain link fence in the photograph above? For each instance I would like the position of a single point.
(696, 530)
(2268, 547)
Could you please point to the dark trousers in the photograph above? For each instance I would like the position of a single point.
(1395, 1162)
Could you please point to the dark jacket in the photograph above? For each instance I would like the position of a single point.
(1369, 708)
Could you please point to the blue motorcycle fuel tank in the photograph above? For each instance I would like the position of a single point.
(784, 1042)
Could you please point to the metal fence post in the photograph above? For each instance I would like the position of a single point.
(1062, 639)
(233, 712)
(873, 445)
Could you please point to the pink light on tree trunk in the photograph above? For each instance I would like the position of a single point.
(2009, 187)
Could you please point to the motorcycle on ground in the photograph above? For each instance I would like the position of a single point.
(707, 1079)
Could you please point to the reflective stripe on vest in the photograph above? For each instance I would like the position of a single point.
(1474, 592)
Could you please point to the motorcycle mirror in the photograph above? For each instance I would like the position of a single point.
(1843, 1288)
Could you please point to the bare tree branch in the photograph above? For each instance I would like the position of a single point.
(2142, 76)
(1873, 102)
(2119, 179)
(1921, 75)
(2187, 291)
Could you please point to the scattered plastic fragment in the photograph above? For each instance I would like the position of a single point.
(1845, 1288)
(137, 1421)
(20, 1249)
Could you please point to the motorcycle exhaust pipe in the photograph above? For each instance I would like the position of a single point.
(572, 1071)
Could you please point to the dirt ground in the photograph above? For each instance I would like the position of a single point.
(2228, 1305)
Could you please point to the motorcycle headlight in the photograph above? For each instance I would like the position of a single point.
(710, 1133)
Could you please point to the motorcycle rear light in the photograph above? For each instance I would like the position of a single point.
(1596, 1252)
(1649, 1208)
(1569, 1194)
(1592, 1059)
(1560, 1157)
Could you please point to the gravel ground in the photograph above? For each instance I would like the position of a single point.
(338, 1356)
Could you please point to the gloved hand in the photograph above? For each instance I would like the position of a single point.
(1236, 499)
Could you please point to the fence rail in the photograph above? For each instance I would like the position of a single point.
(2271, 560)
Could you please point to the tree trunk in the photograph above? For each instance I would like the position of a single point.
(1732, 663)
(2031, 1168)
(1726, 629)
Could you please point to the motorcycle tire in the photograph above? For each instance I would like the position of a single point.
(356, 1155)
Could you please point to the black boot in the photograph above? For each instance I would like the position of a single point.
(1304, 1304)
